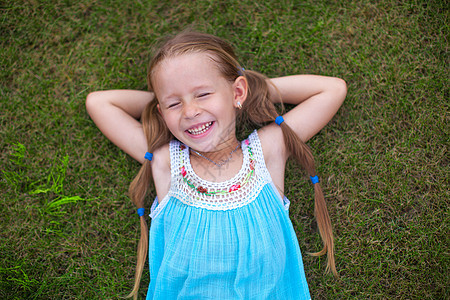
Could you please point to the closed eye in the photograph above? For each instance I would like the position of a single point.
(203, 95)
(174, 104)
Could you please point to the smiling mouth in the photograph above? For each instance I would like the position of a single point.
(200, 129)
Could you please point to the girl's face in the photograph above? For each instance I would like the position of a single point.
(197, 103)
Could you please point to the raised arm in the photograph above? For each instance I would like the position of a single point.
(318, 98)
(116, 114)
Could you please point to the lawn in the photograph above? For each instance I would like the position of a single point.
(69, 230)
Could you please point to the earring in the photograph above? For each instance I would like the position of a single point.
(239, 105)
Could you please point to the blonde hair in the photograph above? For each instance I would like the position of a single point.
(257, 110)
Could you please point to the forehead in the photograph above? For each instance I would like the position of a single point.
(188, 68)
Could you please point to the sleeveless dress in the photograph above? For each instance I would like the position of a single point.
(224, 240)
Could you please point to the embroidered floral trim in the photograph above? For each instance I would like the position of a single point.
(232, 188)
(238, 191)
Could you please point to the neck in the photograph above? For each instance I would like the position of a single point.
(220, 156)
(222, 148)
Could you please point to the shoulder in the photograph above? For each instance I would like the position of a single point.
(275, 154)
(272, 142)
(161, 156)
(161, 170)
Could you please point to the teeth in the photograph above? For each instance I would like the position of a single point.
(200, 129)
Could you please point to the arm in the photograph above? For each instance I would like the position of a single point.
(116, 114)
(318, 98)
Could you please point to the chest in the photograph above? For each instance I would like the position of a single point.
(211, 172)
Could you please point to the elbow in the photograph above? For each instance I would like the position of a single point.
(340, 89)
(91, 102)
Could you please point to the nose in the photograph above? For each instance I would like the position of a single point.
(191, 109)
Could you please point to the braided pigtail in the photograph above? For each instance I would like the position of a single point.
(258, 109)
(157, 135)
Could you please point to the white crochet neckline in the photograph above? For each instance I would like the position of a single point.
(238, 191)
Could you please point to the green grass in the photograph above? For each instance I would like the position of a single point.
(69, 230)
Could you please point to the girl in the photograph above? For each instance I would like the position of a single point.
(220, 226)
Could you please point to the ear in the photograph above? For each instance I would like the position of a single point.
(159, 109)
(240, 89)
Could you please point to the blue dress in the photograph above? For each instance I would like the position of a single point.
(224, 240)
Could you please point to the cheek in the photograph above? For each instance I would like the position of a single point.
(170, 119)
(229, 110)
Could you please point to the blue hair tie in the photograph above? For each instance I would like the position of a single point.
(314, 179)
(141, 211)
(149, 156)
(241, 72)
(279, 120)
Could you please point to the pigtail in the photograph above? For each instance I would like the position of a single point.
(157, 135)
(302, 154)
(259, 109)
(141, 257)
